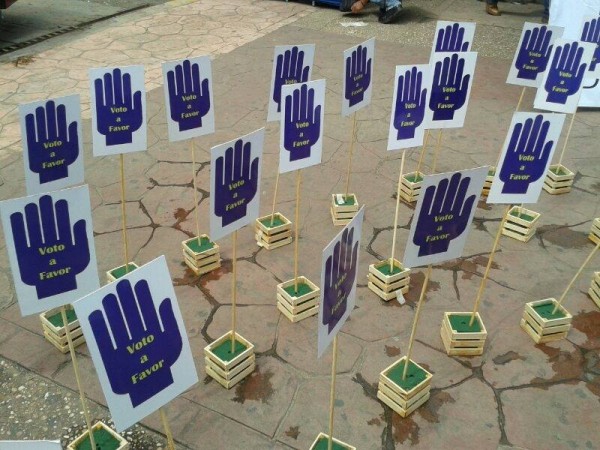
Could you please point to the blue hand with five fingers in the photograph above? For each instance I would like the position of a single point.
(302, 126)
(591, 33)
(358, 75)
(451, 39)
(565, 74)
(410, 104)
(449, 90)
(189, 97)
(289, 69)
(534, 53)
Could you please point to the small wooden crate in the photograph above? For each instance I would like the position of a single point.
(226, 370)
(101, 431)
(271, 237)
(520, 223)
(459, 339)
(386, 284)
(594, 290)
(203, 258)
(343, 208)
(302, 306)
(595, 231)
(322, 440)
(411, 186)
(540, 326)
(55, 331)
(487, 184)
(404, 401)
(558, 180)
(118, 272)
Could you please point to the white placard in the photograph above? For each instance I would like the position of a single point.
(302, 125)
(443, 216)
(138, 342)
(235, 183)
(30, 445)
(50, 243)
(118, 103)
(590, 32)
(533, 54)
(52, 144)
(188, 87)
(526, 156)
(359, 63)
(411, 95)
(453, 37)
(291, 64)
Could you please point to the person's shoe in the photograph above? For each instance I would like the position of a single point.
(346, 5)
(389, 15)
(492, 10)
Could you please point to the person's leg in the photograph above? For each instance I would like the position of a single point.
(491, 7)
(389, 10)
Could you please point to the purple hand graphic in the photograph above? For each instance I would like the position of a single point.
(534, 53)
(591, 33)
(444, 218)
(302, 127)
(451, 39)
(410, 104)
(139, 362)
(358, 75)
(290, 69)
(48, 257)
(52, 147)
(449, 91)
(565, 74)
(189, 97)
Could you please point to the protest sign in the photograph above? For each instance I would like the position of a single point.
(453, 37)
(359, 63)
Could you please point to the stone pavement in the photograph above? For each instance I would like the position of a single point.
(516, 394)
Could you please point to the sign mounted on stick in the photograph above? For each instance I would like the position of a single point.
(443, 216)
(526, 155)
(118, 97)
(138, 343)
(359, 63)
(189, 98)
(50, 245)
(235, 183)
(301, 131)
(338, 280)
(291, 64)
(453, 37)
(52, 144)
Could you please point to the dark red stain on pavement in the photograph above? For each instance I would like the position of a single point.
(563, 237)
(257, 387)
(392, 351)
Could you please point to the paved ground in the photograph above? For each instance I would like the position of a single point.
(515, 395)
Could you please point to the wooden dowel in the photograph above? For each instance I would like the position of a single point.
(516, 110)
(165, 423)
(587, 260)
(416, 320)
(394, 233)
(427, 135)
(489, 265)
(297, 228)
(562, 153)
(86, 412)
(436, 152)
(233, 291)
(350, 155)
(196, 206)
(332, 393)
(124, 214)
(521, 98)
(274, 198)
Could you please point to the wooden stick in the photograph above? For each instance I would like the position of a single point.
(562, 153)
(275, 198)
(124, 214)
(233, 291)
(489, 265)
(86, 412)
(587, 260)
(521, 98)
(422, 153)
(436, 152)
(297, 219)
(350, 155)
(165, 422)
(332, 393)
(196, 207)
(414, 327)
(396, 214)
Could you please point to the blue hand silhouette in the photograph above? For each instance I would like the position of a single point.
(358, 75)
(51, 260)
(118, 111)
(189, 97)
(290, 69)
(444, 218)
(340, 272)
(410, 104)
(534, 53)
(591, 33)
(526, 156)
(139, 362)
(236, 182)
(449, 90)
(451, 39)
(302, 126)
(51, 146)
(565, 74)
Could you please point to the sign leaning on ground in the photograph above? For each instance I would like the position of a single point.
(52, 144)
(138, 343)
(359, 62)
(50, 245)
